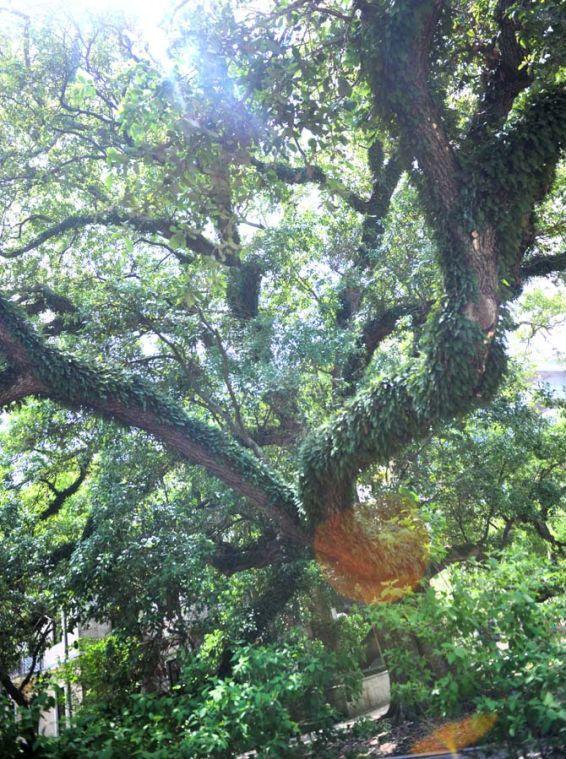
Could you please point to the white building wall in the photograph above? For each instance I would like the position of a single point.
(53, 658)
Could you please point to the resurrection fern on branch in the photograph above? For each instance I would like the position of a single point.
(163, 268)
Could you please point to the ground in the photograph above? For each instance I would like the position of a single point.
(381, 738)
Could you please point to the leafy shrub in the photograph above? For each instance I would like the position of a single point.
(18, 726)
(487, 642)
(274, 693)
(107, 669)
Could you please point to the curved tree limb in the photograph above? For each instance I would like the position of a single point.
(462, 361)
(131, 402)
(61, 496)
(192, 240)
(540, 266)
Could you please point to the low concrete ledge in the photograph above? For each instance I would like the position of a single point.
(376, 694)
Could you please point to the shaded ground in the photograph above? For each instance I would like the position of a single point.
(379, 738)
(373, 735)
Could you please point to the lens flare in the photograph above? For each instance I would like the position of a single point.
(375, 552)
(456, 735)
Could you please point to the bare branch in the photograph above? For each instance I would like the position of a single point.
(455, 555)
(37, 651)
(266, 551)
(15, 693)
(315, 175)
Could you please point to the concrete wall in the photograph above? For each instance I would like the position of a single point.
(376, 694)
(49, 722)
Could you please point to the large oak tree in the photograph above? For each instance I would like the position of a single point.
(212, 240)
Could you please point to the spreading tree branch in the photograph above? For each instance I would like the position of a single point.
(131, 402)
(38, 649)
(385, 177)
(266, 551)
(61, 496)
(312, 174)
(167, 228)
(375, 330)
(540, 266)
(398, 64)
(11, 689)
(504, 76)
(455, 555)
(39, 298)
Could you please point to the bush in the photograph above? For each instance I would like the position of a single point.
(107, 669)
(488, 643)
(18, 727)
(274, 693)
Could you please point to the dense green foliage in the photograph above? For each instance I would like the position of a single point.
(263, 703)
(485, 641)
(259, 271)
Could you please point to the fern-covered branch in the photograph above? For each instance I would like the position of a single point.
(131, 402)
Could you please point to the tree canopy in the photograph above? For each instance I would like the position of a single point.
(249, 264)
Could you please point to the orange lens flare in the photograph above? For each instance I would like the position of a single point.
(456, 735)
(374, 553)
